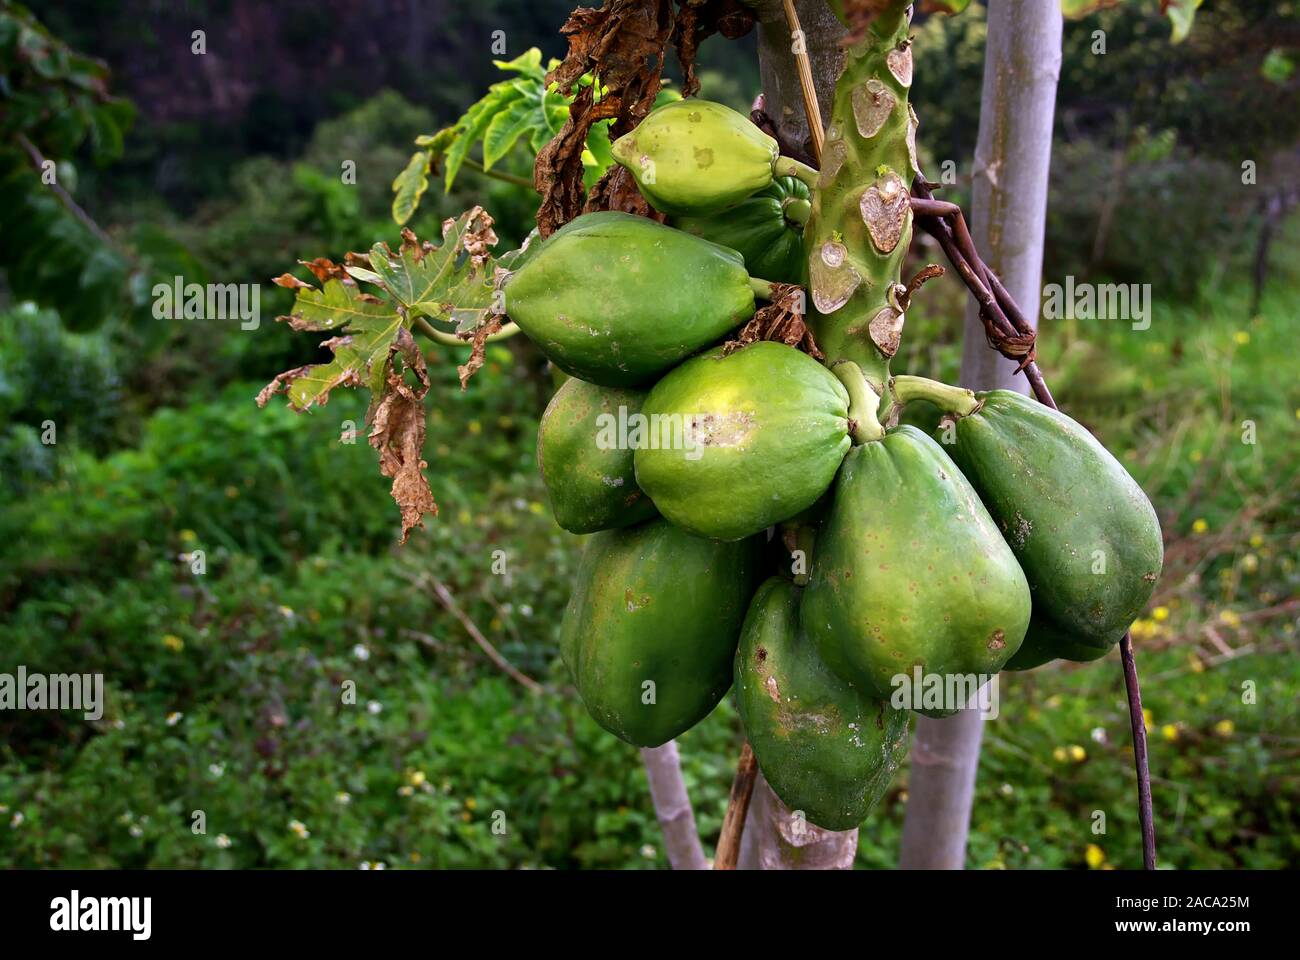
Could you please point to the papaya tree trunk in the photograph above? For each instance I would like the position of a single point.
(774, 838)
(673, 807)
(1022, 62)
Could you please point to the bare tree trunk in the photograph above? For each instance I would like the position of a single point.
(1022, 63)
(673, 807)
(774, 838)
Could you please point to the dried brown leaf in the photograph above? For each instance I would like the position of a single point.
(782, 320)
(290, 281)
(397, 434)
(699, 20)
(325, 269)
(622, 44)
(477, 354)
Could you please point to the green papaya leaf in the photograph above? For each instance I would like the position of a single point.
(409, 186)
(507, 127)
(372, 342)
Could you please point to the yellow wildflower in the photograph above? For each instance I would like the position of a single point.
(1241, 337)
(1077, 753)
(1199, 525)
(173, 643)
(1160, 614)
(1169, 731)
(1094, 856)
(1224, 728)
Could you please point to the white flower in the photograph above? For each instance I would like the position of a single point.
(216, 769)
(379, 865)
(17, 819)
(1006, 789)
(299, 828)
(136, 830)
(119, 724)
(343, 797)
(286, 612)
(361, 652)
(648, 852)
(374, 706)
(526, 610)
(1098, 735)
(364, 865)
(174, 718)
(223, 841)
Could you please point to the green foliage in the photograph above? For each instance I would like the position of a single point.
(522, 110)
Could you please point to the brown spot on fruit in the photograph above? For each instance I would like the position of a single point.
(761, 653)
(998, 640)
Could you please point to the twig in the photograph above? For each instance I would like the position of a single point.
(1138, 722)
(1011, 335)
(733, 824)
(445, 598)
(64, 197)
(817, 133)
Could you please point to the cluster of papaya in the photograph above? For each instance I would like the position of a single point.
(1007, 538)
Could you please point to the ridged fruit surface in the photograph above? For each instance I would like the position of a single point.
(763, 431)
(911, 571)
(617, 300)
(695, 157)
(1083, 530)
(825, 747)
(651, 628)
(587, 469)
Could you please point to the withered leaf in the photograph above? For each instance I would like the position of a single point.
(397, 433)
(781, 320)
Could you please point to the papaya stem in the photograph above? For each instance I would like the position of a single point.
(796, 210)
(790, 167)
(762, 288)
(948, 398)
(451, 340)
(864, 403)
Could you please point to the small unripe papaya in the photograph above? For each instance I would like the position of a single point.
(762, 432)
(760, 230)
(697, 157)
(589, 479)
(616, 299)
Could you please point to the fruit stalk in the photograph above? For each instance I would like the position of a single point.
(864, 402)
(947, 398)
(861, 223)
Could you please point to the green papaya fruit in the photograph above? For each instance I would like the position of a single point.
(588, 474)
(911, 571)
(695, 156)
(1044, 642)
(762, 432)
(825, 747)
(651, 628)
(759, 230)
(1083, 530)
(617, 300)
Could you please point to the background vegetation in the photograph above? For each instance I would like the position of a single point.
(223, 689)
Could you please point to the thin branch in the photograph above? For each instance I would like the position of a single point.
(816, 131)
(733, 823)
(65, 198)
(1137, 719)
(445, 598)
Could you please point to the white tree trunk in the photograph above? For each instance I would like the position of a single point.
(777, 839)
(673, 807)
(1022, 63)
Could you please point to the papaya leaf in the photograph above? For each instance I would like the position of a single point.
(409, 186)
(507, 127)
(372, 342)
